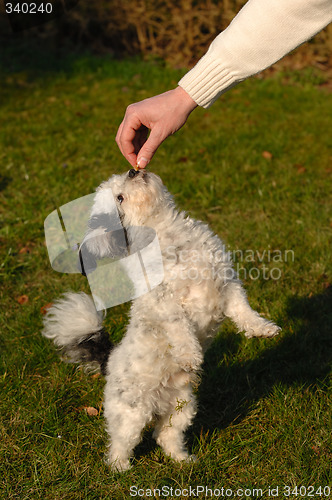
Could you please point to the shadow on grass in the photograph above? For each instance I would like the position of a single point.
(5, 180)
(227, 393)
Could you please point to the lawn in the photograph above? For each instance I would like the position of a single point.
(257, 167)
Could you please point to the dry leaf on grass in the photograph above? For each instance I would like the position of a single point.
(90, 410)
(23, 299)
(45, 308)
(267, 155)
(24, 250)
(300, 168)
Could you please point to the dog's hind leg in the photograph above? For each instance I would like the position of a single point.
(237, 308)
(124, 425)
(171, 426)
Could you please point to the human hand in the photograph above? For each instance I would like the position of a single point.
(163, 115)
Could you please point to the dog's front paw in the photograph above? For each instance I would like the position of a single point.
(266, 329)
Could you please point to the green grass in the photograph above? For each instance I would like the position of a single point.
(264, 416)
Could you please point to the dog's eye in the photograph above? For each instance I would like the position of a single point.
(120, 198)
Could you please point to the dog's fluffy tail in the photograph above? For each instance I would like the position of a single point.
(75, 326)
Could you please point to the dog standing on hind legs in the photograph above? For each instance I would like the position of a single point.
(150, 373)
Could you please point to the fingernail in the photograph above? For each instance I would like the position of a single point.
(142, 162)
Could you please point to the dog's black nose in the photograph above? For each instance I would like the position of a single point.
(133, 172)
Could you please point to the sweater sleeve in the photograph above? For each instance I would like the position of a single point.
(261, 34)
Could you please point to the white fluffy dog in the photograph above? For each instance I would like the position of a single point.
(150, 373)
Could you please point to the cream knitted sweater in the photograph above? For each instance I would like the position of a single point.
(261, 34)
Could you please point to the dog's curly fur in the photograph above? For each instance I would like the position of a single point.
(150, 373)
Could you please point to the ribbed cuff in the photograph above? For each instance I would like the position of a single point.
(208, 80)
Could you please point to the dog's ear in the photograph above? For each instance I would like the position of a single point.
(105, 236)
(103, 222)
(100, 244)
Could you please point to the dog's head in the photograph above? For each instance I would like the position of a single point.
(139, 196)
(124, 202)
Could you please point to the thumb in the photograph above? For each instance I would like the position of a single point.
(149, 148)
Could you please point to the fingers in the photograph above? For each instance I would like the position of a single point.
(130, 136)
(149, 147)
(133, 138)
(134, 141)
(140, 138)
(163, 115)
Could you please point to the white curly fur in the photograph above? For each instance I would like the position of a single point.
(150, 373)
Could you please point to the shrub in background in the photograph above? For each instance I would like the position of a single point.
(178, 31)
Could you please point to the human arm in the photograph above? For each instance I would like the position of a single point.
(262, 33)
